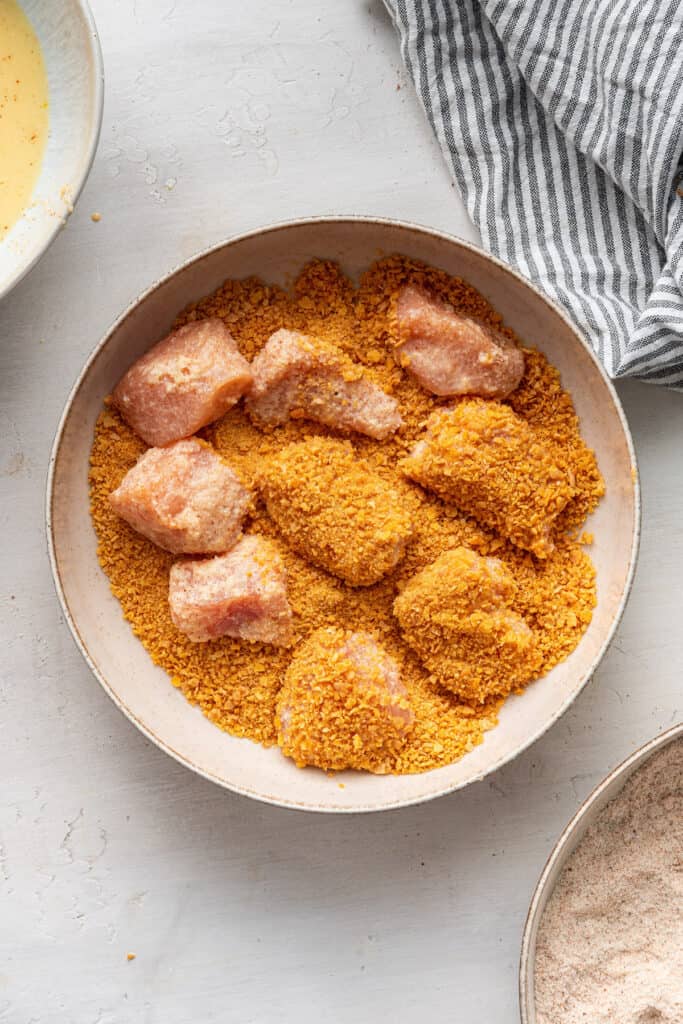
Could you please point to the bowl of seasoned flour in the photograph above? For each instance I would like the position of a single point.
(603, 940)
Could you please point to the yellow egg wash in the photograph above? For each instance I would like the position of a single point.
(23, 112)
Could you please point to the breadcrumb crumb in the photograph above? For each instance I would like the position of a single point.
(488, 461)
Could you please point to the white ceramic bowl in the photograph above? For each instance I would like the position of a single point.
(71, 49)
(587, 814)
(119, 661)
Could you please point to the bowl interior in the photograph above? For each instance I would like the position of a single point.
(564, 848)
(119, 660)
(74, 68)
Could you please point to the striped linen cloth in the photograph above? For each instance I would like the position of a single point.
(563, 123)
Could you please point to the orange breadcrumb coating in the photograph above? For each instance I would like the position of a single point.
(487, 460)
(331, 508)
(456, 615)
(342, 704)
(237, 684)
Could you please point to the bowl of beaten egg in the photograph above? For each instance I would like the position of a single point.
(412, 619)
(51, 95)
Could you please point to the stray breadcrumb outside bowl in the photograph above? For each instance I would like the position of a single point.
(276, 255)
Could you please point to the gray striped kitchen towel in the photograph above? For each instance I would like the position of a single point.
(563, 123)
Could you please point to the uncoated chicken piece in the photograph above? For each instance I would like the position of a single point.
(485, 459)
(455, 615)
(184, 498)
(186, 381)
(300, 377)
(335, 511)
(242, 594)
(452, 354)
(342, 704)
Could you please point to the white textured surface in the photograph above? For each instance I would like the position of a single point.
(220, 117)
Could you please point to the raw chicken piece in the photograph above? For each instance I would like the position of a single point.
(184, 498)
(451, 354)
(299, 377)
(342, 704)
(332, 509)
(242, 594)
(489, 462)
(456, 616)
(186, 381)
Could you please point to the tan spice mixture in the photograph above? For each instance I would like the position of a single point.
(610, 943)
(236, 684)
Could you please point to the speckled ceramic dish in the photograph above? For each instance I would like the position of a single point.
(587, 814)
(71, 49)
(122, 665)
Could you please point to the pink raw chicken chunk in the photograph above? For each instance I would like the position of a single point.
(184, 498)
(300, 377)
(450, 354)
(185, 382)
(242, 594)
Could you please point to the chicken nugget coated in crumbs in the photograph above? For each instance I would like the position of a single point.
(485, 459)
(455, 615)
(334, 510)
(342, 704)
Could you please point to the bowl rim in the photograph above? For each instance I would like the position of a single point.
(563, 849)
(94, 128)
(274, 227)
